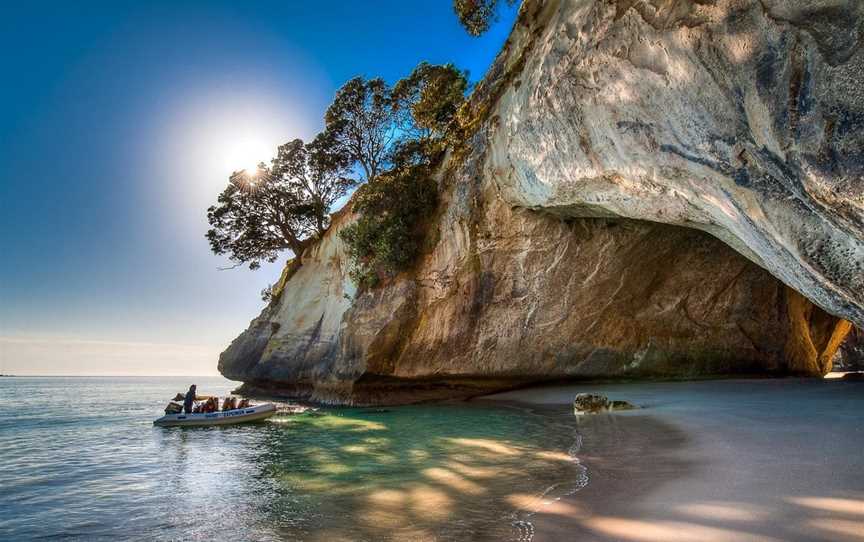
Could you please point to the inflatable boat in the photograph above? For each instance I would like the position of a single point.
(254, 413)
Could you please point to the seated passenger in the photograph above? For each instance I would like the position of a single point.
(189, 398)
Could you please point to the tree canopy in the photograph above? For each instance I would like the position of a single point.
(477, 15)
(393, 207)
(388, 135)
(256, 217)
(429, 98)
(361, 122)
(279, 207)
(316, 171)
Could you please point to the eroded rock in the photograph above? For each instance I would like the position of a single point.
(592, 403)
(743, 118)
(587, 403)
(573, 241)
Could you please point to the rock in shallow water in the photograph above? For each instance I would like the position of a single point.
(592, 403)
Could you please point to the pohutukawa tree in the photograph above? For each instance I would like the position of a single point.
(388, 233)
(362, 122)
(256, 217)
(317, 172)
(261, 213)
(392, 133)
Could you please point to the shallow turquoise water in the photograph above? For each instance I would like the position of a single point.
(82, 460)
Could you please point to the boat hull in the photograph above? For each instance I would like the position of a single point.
(255, 413)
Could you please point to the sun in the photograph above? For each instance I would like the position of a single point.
(245, 153)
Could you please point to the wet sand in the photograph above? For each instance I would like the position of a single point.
(714, 460)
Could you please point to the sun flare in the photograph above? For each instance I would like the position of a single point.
(246, 153)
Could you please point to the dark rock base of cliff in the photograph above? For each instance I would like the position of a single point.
(385, 391)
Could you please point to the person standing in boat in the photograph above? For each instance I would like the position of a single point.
(189, 400)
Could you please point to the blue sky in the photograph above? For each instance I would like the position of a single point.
(119, 124)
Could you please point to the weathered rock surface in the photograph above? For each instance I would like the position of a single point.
(558, 250)
(592, 403)
(850, 356)
(744, 118)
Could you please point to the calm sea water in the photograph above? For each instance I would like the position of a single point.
(82, 460)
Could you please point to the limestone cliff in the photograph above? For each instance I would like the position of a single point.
(616, 142)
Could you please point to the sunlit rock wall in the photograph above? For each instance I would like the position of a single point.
(642, 183)
(742, 118)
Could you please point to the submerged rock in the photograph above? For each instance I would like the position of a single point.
(663, 191)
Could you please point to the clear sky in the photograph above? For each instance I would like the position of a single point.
(119, 124)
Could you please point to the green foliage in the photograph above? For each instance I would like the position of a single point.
(394, 205)
(267, 293)
(317, 172)
(256, 217)
(431, 96)
(393, 135)
(388, 234)
(279, 207)
(477, 15)
(361, 122)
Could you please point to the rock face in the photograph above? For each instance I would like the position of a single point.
(617, 143)
(743, 118)
(850, 356)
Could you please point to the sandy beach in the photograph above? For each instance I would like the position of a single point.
(714, 460)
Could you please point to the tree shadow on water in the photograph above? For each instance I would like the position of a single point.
(443, 472)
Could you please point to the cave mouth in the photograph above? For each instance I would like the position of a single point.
(642, 300)
(815, 339)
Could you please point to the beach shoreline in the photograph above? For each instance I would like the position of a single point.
(713, 460)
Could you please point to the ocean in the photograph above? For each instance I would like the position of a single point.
(81, 460)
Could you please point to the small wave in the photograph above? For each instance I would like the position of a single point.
(523, 528)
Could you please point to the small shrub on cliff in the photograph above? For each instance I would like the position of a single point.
(393, 209)
(477, 15)
(267, 294)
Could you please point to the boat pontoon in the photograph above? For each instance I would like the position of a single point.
(254, 413)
